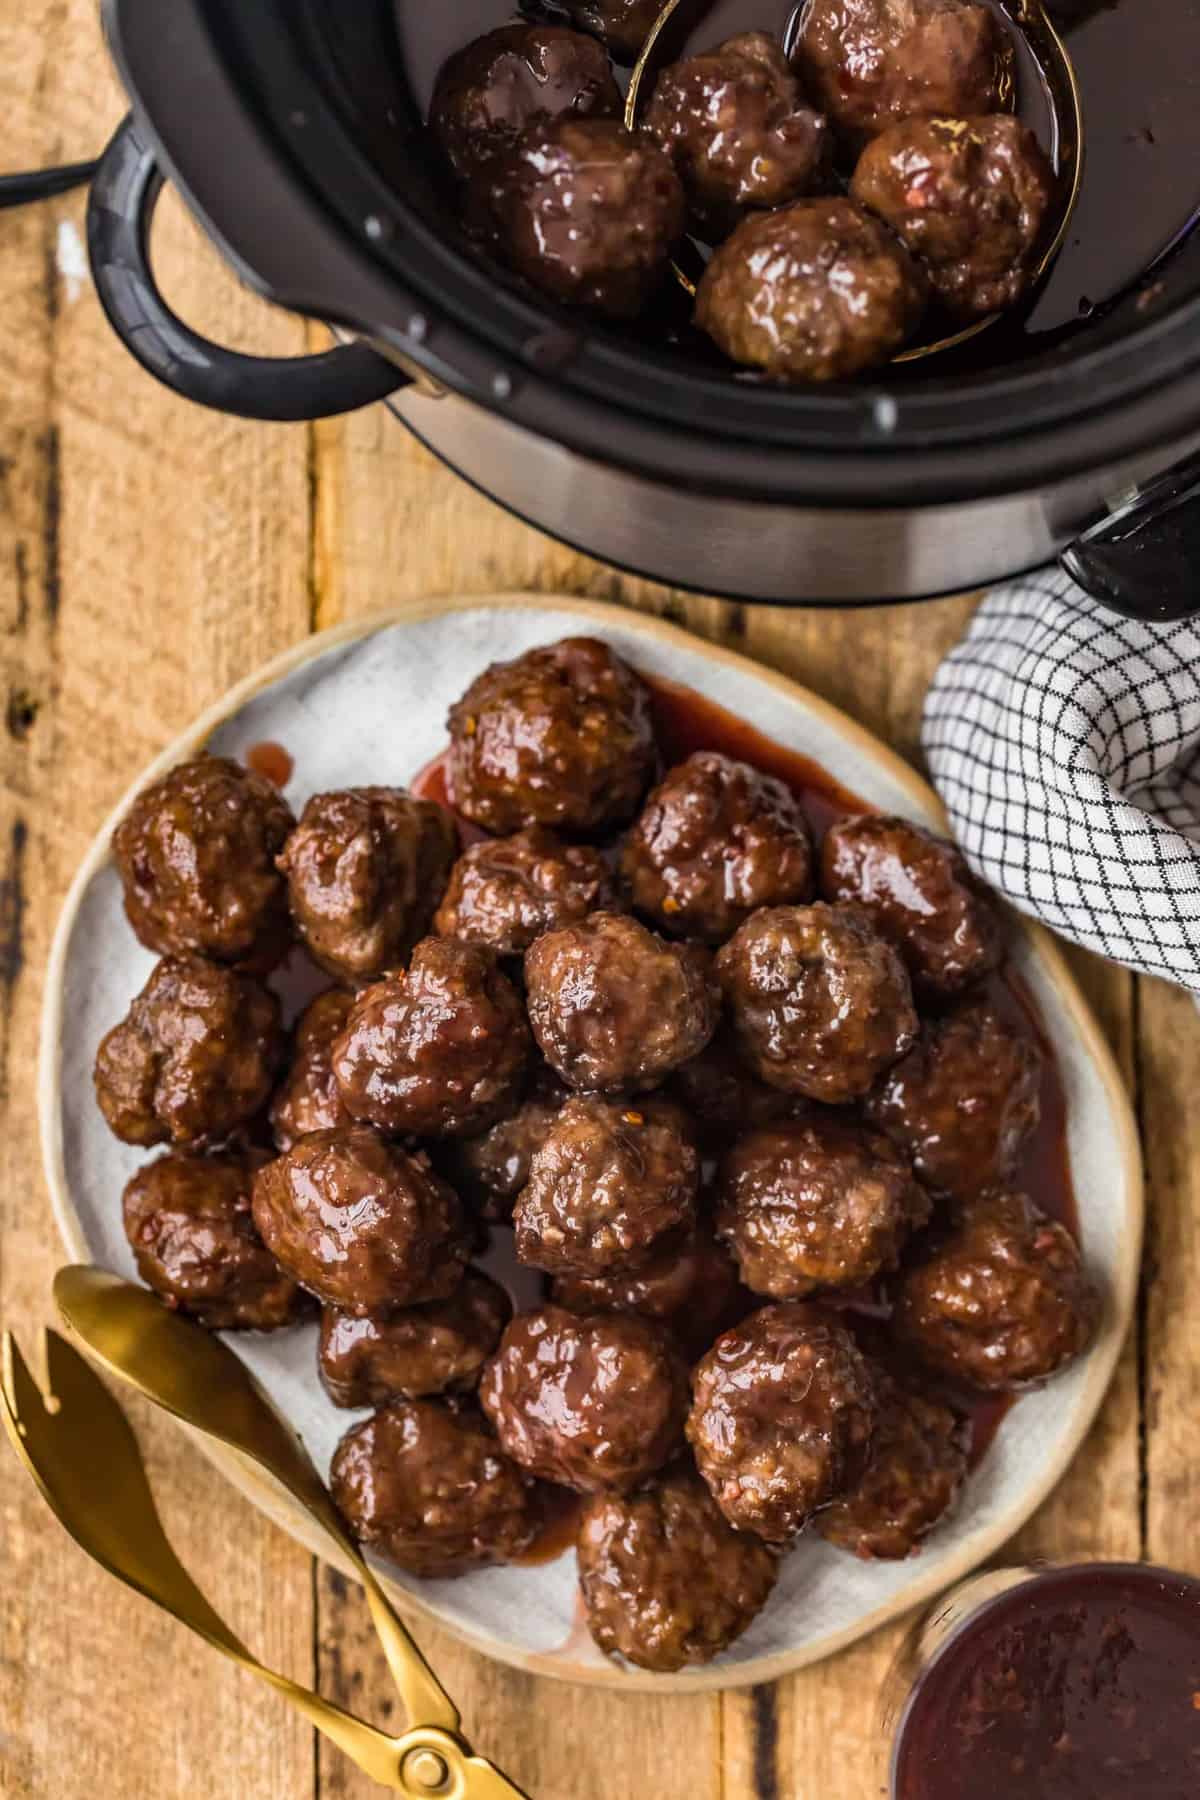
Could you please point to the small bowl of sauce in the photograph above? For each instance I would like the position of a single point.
(1066, 1683)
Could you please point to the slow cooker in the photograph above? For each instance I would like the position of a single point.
(293, 128)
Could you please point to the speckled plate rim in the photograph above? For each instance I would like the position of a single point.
(276, 1504)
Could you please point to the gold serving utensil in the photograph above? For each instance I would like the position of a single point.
(193, 1375)
(1030, 20)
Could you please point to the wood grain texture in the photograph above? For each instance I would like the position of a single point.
(149, 555)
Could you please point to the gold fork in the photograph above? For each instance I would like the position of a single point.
(65, 1436)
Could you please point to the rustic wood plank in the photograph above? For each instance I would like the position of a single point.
(148, 554)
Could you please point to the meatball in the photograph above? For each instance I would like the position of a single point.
(666, 1581)
(587, 212)
(969, 197)
(196, 856)
(308, 1098)
(436, 1348)
(965, 1100)
(999, 1299)
(818, 291)
(735, 124)
(506, 893)
(560, 736)
(489, 1171)
(692, 1287)
(782, 1419)
(920, 895)
(613, 1006)
(820, 1204)
(365, 867)
(722, 1097)
(715, 841)
(820, 1002)
(589, 1403)
(624, 25)
(871, 63)
(361, 1224)
(429, 1487)
(437, 1052)
(190, 1228)
(915, 1477)
(193, 1058)
(487, 93)
(610, 1182)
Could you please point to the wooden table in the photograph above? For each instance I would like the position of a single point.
(151, 554)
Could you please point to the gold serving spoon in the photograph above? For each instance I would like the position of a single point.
(193, 1375)
(1030, 19)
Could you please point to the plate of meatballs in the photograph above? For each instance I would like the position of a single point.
(688, 1220)
(799, 193)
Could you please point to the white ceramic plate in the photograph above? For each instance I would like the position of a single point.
(368, 702)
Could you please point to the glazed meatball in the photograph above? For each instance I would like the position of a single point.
(735, 124)
(871, 63)
(196, 856)
(560, 736)
(965, 1100)
(723, 1098)
(490, 1170)
(613, 1006)
(782, 1419)
(914, 1480)
(969, 197)
(715, 841)
(361, 1224)
(429, 1487)
(610, 1182)
(505, 893)
(487, 93)
(820, 1002)
(999, 1299)
(818, 291)
(588, 1403)
(308, 1098)
(437, 1348)
(194, 1057)
(365, 867)
(823, 1204)
(623, 25)
(190, 1228)
(691, 1287)
(920, 895)
(587, 212)
(439, 1051)
(666, 1581)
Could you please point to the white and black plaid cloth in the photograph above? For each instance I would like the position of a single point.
(1065, 742)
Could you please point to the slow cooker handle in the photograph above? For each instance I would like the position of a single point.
(124, 194)
(1144, 559)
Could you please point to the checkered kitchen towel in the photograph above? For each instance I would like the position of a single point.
(1065, 742)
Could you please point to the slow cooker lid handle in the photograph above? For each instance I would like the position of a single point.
(1143, 560)
(124, 194)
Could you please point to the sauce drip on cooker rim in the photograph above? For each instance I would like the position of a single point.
(685, 721)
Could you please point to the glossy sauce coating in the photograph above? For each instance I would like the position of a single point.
(189, 1225)
(307, 1099)
(490, 1170)
(914, 1479)
(194, 1058)
(436, 1348)
(715, 840)
(439, 1051)
(692, 1286)
(196, 856)
(589, 1403)
(365, 868)
(363, 1225)
(609, 1185)
(506, 892)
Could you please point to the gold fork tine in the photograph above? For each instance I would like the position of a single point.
(63, 1441)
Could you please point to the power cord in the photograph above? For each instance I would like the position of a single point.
(43, 184)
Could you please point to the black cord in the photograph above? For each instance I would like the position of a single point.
(43, 184)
